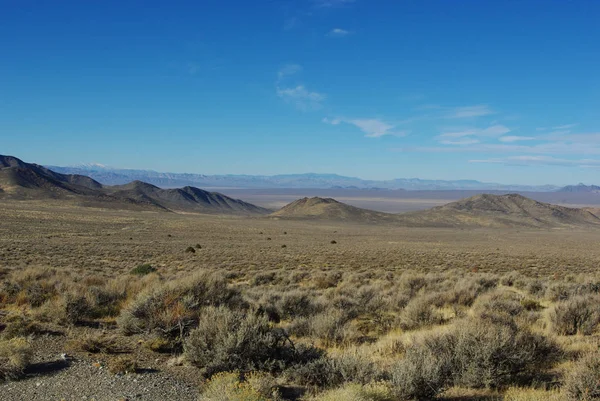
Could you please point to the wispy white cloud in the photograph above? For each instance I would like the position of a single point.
(301, 97)
(550, 148)
(459, 142)
(372, 127)
(470, 111)
(529, 160)
(338, 33)
(563, 127)
(297, 94)
(288, 70)
(332, 121)
(514, 138)
(491, 131)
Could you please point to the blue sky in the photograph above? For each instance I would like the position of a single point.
(504, 91)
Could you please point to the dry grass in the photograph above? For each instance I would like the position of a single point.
(360, 320)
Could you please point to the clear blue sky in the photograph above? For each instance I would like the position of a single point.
(505, 91)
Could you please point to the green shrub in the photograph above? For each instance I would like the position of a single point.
(142, 270)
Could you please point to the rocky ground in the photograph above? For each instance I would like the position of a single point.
(51, 377)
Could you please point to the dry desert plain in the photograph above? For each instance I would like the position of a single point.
(106, 305)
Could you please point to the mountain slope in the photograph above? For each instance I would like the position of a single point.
(329, 209)
(510, 210)
(185, 199)
(27, 179)
(20, 180)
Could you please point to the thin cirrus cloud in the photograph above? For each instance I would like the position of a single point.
(515, 138)
(491, 131)
(372, 127)
(528, 160)
(298, 95)
(460, 142)
(288, 70)
(338, 33)
(301, 97)
(470, 111)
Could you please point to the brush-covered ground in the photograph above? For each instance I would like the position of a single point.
(107, 305)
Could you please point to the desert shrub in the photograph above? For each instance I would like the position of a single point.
(560, 291)
(499, 302)
(476, 353)
(410, 284)
(357, 392)
(171, 310)
(297, 303)
(466, 291)
(492, 353)
(159, 344)
(322, 371)
(122, 365)
(19, 325)
(369, 299)
(96, 343)
(355, 368)
(536, 288)
(323, 281)
(531, 394)
(263, 278)
(229, 386)
(15, 356)
(107, 300)
(143, 269)
(419, 313)
(579, 315)
(76, 308)
(424, 371)
(511, 279)
(228, 340)
(583, 380)
(332, 327)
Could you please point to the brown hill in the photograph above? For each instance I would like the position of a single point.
(185, 199)
(20, 180)
(329, 209)
(510, 210)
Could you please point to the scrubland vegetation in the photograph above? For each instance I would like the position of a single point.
(297, 331)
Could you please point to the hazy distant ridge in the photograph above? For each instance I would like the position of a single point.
(114, 176)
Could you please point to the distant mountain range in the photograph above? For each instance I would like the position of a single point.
(114, 176)
(28, 181)
(580, 188)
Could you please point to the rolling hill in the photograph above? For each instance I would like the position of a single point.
(501, 211)
(20, 180)
(185, 199)
(510, 210)
(329, 209)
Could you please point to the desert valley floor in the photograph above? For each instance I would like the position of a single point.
(72, 248)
